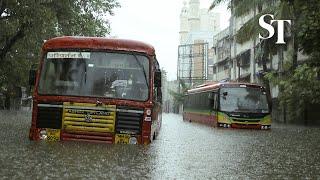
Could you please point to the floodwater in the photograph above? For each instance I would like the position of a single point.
(182, 150)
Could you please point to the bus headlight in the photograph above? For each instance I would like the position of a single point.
(43, 134)
(148, 112)
(133, 140)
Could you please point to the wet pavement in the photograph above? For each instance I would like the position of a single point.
(182, 150)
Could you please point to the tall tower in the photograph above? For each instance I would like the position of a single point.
(184, 28)
(194, 16)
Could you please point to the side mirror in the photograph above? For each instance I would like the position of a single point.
(157, 78)
(32, 77)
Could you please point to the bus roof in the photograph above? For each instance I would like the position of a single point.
(99, 43)
(216, 85)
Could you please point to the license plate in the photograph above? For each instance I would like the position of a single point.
(53, 134)
(122, 139)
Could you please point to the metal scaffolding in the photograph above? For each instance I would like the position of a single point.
(193, 63)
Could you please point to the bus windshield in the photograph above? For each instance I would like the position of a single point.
(95, 74)
(240, 99)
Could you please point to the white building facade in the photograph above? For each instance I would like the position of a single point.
(197, 27)
(197, 24)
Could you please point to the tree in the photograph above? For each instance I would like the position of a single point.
(25, 24)
(300, 84)
(178, 97)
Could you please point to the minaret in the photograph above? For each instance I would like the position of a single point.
(184, 29)
(194, 16)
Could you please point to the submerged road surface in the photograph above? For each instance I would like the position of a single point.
(182, 150)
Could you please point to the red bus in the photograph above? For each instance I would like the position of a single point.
(228, 104)
(97, 90)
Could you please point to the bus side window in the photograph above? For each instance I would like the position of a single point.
(210, 100)
(192, 102)
(203, 101)
(185, 102)
(197, 100)
(215, 99)
(159, 95)
(157, 90)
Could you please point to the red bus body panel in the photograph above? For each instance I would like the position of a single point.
(95, 44)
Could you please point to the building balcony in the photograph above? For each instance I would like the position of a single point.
(225, 74)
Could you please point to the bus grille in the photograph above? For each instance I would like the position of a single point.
(129, 120)
(49, 117)
(86, 118)
(246, 120)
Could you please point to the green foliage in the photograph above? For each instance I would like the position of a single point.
(178, 97)
(25, 24)
(217, 2)
(309, 26)
(298, 88)
(83, 17)
(251, 29)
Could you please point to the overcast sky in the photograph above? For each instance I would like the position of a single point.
(156, 22)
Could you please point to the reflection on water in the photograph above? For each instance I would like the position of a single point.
(183, 151)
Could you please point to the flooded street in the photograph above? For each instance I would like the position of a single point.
(182, 150)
